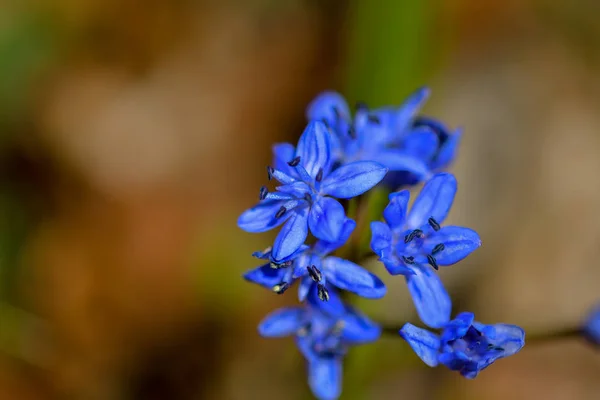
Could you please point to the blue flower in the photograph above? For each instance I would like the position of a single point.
(407, 244)
(373, 135)
(465, 345)
(591, 328)
(306, 198)
(316, 268)
(323, 338)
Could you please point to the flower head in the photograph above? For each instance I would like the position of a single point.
(465, 345)
(323, 337)
(306, 198)
(413, 243)
(315, 267)
(591, 328)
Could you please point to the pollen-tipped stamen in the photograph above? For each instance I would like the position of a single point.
(263, 193)
(319, 176)
(281, 287)
(294, 162)
(434, 224)
(408, 260)
(438, 247)
(314, 273)
(322, 292)
(431, 260)
(282, 210)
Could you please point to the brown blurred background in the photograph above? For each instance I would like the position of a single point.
(132, 134)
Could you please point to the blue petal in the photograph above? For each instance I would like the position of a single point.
(351, 277)
(322, 107)
(261, 217)
(399, 160)
(455, 360)
(458, 327)
(358, 328)
(381, 237)
(266, 276)
(424, 343)
(394, 266)
(435, 200)
(422, 143)
(303, 289)
(292, 235)
(282, 154)
(592, 326)
(395, 212)
(326, 219)
(282, 322)
(447, 152)
(353, 179)
(323, 247)
(431, 300)
(333, 308)
(314, 149)
(325, 377)
(458, 243)
(510, 337)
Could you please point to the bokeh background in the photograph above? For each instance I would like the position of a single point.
(132, 134)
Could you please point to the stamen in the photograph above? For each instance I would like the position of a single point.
(281, 287)
(434, 224)
(352, 132)
(294, 162)
(432, 262)
(374, 119)
(360, 105)
(319, 176)
(280, 212)
(263, 193)
(325, 122)
(438, 247)
(408, 260)
(314, 273)
(285, 264)
(336, 112)
(416, 233)
(307, 197)
(322, 292)
(270, 171)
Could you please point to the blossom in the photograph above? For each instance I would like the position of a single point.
(309, 186)
(322, 337)
(465, 345)
(314, 266)
(372, 134)
(591, 328)
(408, 243)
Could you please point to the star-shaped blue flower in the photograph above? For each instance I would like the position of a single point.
(413, 244)
(373, 135)
(323, 338)
(315, 267)
(591, 328)
(465, 345)
(306, 198)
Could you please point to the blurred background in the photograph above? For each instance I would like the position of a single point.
(133, 134)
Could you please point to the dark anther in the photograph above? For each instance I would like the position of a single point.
(336, 112)
(438, 247)
(408, 260)
(319, 176)
(432, 262)
(314, 273)
(352, 132)
(494, 347)
(270, 171)
(325, 122)
(374, 119)
(322, 292)
(416, 233)
(280, 212)
(263, 193)
(361, 106)
(307, 197)
(294, 162)
(281, 287)
(285, 264)
(434, 224)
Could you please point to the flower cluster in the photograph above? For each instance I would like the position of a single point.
(338, 158)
